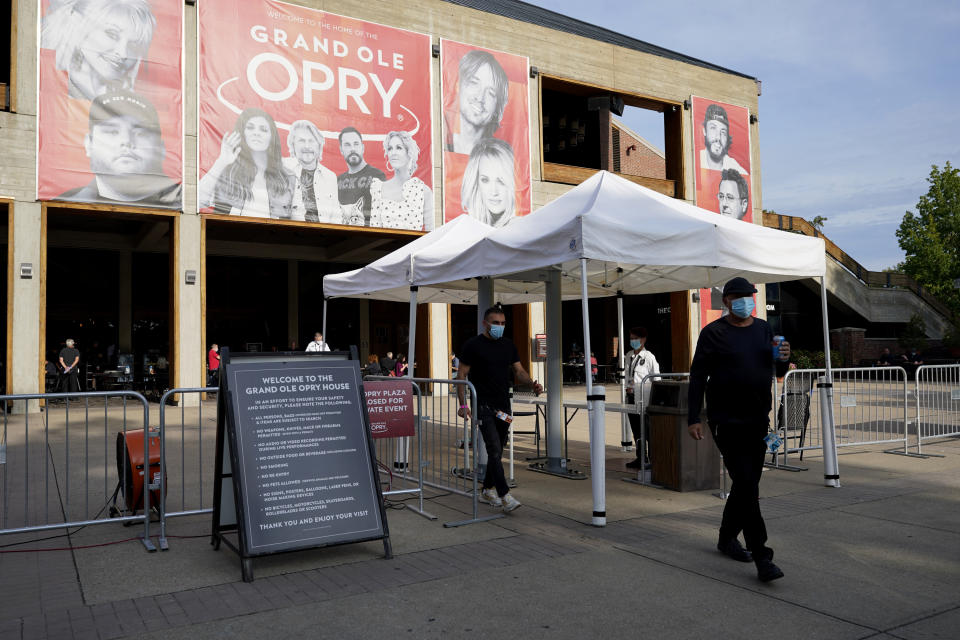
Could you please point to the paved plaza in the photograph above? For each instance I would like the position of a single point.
(877, 558)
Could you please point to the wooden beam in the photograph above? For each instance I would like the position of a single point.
(173, 355)
(680, 330)
(112, 208)
(315, 226)
(8, 204)
(42, 274)
(150, 234)
(567, 174)
(365, 246)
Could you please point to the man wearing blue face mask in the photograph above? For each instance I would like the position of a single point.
(640, 364)
(733, 363)
(490, 361)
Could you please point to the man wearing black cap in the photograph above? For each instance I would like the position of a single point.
(717, 141)
(126, 154)
(734, 362)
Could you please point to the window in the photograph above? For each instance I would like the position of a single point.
(586, 128)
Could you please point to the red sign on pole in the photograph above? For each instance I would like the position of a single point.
(390, 407)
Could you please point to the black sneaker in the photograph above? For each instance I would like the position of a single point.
(766, 570)
(733, 549)
(635, 464)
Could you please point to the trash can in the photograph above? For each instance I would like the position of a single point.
(678, 461)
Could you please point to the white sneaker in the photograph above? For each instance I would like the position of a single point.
(490, 497)
(509, 503)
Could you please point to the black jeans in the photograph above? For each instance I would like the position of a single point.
(743, 451)
(494, 432)
(636, 419)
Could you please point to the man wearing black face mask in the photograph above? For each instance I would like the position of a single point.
(488, 360)
(734, 362)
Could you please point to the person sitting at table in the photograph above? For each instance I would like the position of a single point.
(886, 359)
(593, 367)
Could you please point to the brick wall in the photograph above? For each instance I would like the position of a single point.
(637, 156)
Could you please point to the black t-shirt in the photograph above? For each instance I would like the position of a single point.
(491, 369)
(352, 187)
(69, 354)
(735, 366)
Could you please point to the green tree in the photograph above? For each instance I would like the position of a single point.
(817, 223)
(931, 236)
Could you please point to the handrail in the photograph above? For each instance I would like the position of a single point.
(881, 279)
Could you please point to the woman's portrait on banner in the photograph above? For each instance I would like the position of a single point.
(488, 191)
(248, 177)
(100, 44)
(403, 201)
(485, 108)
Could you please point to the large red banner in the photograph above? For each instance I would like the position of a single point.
(486, 150)
(722, 175)
(311, 116)
(110, 102)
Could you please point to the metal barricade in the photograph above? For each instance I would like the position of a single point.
(938, 402)
(870, 408)
(66, 466)
(397, 450)
(187, 451)
(451, 445)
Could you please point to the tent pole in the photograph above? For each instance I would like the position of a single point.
(554, 416)
(625, 441)
(401, 459)
(412, 337)
(596, 401)
(323, 330)
(831, 471)
(484, 299)
(484, 302)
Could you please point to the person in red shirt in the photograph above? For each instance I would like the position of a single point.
(213, 365)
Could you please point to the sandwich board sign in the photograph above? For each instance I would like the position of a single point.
(295, 465)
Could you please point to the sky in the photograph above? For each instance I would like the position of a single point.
(859, 98)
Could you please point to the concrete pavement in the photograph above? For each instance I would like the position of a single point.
(876, 558)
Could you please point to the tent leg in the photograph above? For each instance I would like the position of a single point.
(485, 293)
(596, 399)
(626, 442)
(831, 470)
(556, 462)
(401, 460)
(324, 325)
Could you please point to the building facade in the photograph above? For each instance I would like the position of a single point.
(163, 277)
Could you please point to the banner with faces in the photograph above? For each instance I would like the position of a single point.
(486, 136)
(110, 102)
(313, 117)
(721, 134)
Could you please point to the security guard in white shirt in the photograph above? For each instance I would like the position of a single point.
(318, 344)
(640, 363)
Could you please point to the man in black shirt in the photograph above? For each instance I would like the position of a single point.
(488, 360)
(353, 185)
(734, 362)
(69, 359)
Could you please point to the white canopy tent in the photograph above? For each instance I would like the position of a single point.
(606, 236)
(618, 236)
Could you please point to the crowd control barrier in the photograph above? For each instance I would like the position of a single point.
(870, 407)
(78, 462)
(187, 444)
(938, 402)
(393, 457)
